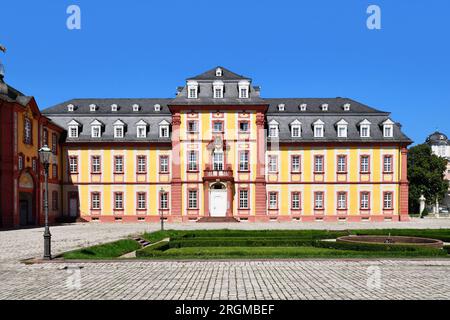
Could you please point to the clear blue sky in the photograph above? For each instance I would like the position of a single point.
(317, 48)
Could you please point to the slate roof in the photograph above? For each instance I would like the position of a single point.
(335, 112)
(211, 75)
(437, 139)
(330, 128)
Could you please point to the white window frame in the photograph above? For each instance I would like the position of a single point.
(318, 200)
(94, 129)
(342, 131)
(365, 201)
(244, 157)
(95, 201)
(192, 199)
(192, 160)
(273, 131)
(140, 134)
(118, 165)
(318, 131)
(114, 107)
(164, 128)
(295, 201)
(272, 163)
(365, 131)
(92, 107)
(296, 130)
(295, 163)
(341, 166)
(118, 201)
(218, 160)
(342, 200)
(73, 164)
(319, 165)
(164, 164)
(71, 133)
(192, 90)
(387, 165)
(388, 200)
(141, 200)
(70, 107)
(388, 131)
(164, 200)
(119, 131)
(96, 165)
(243, 199)
(141, 166)
(364, 165)
(273, 200)
(136, 107)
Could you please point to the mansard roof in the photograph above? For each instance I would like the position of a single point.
(210, 75)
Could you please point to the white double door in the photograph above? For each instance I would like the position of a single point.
(218, 203)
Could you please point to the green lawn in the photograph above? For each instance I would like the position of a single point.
(263, 244)
(104, 251)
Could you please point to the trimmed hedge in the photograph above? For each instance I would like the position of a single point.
(153, 250)
(104, 251)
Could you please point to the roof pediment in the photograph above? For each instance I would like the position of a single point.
(96, 123)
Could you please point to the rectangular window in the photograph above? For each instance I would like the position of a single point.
(243, 199)
(192, 161)
(192, 126)
(95, 200)
(318, 200)
(243, 126)
(73, 164)
(342, 131)
(243, 161)
(164, 164)
(295, 131)
(218, 93)
(318, 131)
(96, 132)
(118, 164)
(55, 200)
(20, 162)
(141, 131)
(273, 200)
(273, 131)
(387, 200)
(243, 93)
(218, 161)
(192, 199)
(318, 164)
(163, 200)
(341, 164)
(141, 164)
(295, 164)
(342, 200)
(141, 200)
(364, 201)
(295, 200)
(118, 132)
(387, 164)
(365, 164)
(192, 93)
(218, 126)
(54, 143)
(27, 131)
(365, 131)
(45, 137)
(95, 164)
(273, 164)
(164, 131)
(34, 164)
(54, 171)
(73, 132)
(118, 200)
(387, 131)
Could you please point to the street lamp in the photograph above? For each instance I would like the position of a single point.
(161, 211)
(44, 156)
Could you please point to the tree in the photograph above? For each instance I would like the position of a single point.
(426, 176)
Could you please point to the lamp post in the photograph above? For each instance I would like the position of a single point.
(44, 156)
(161, 211)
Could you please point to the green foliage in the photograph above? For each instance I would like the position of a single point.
(104, 251)
(426, 176)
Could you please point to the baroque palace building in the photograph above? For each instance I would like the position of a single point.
(218, 150)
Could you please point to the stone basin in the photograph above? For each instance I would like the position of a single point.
(393, 240)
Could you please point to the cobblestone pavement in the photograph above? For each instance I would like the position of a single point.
(289, 279)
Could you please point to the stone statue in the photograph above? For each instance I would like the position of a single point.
(422, 205)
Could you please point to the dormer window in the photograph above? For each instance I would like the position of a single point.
(70, 107)
(92, 107)
(73, 131)
(114, 107)
(164, 129)
(318, 129)
(296, 129)
(281, 107)
(243, 89)
(96, 129)
(219, 72)
(388, 128)
(157, 107)
(141, 129)
(364, 128)
(303, 107)
(119, 129)
(192, 89)
(342, 128)
(273, 129)
(218, 89)
(136, 107)
(346, 107)
(325, 107)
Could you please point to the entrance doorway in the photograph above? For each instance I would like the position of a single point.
(218, 202)
(26, 209)
(73, 204)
